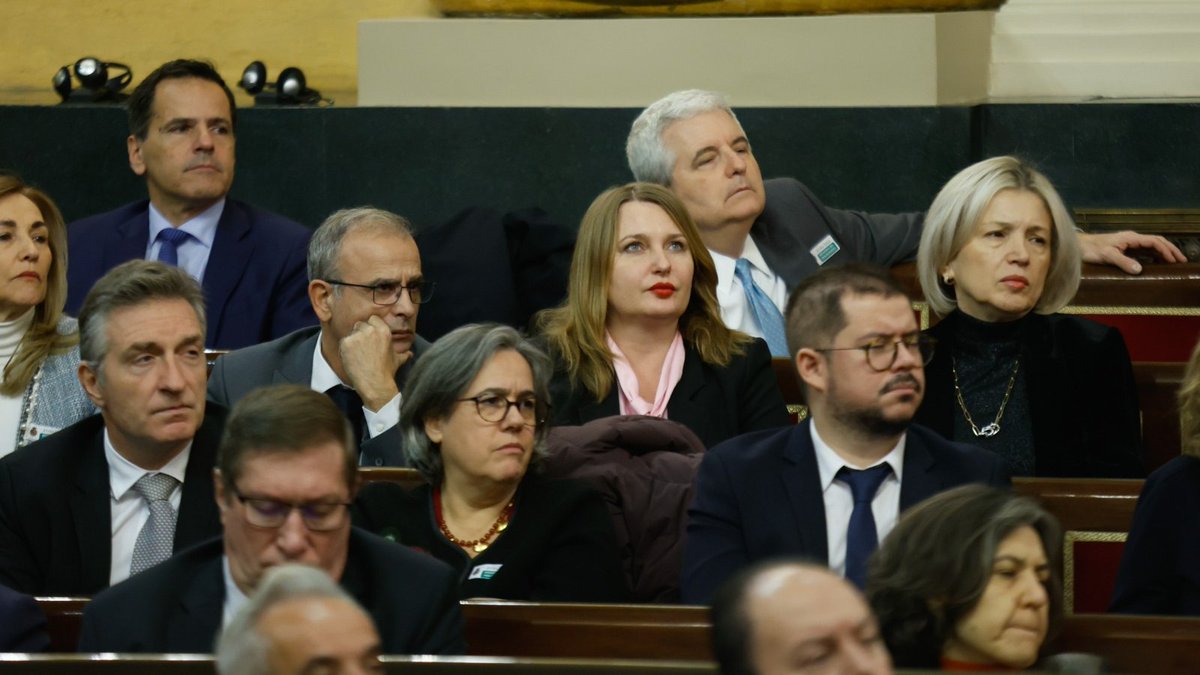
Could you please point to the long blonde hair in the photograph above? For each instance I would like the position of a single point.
(42, 339)
(575, 331)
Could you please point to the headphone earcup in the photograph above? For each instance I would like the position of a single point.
(254, 78)
(62, 82)
(291, 84)
(92, 72)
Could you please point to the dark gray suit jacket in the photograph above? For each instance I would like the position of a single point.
(288, 360)
(758, 496)
(794, 221)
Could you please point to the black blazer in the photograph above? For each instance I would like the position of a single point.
(759, 496)
(255, 284)
(1160, 567)
(716, 403)
(56, 508)
(1082, 397)
(288, 360)
(558, 547)
(177, 605)
(794, 221)
(22, 623)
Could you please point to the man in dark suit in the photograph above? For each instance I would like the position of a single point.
(831, 487)
(182, 120)
(691, 142)
(285, 479)
(366, 288)
(116, 492)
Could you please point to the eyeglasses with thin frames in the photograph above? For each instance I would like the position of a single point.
(320, 516)
(494, 408)
(882, 353)
(387, 293)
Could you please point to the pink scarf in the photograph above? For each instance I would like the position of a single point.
(631, 401)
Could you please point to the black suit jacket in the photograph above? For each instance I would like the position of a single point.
(56, 508)
(177, 605)
(288, 360)
(715, 402)
(255, 284)
(759, 496)
(22, 623)
(794, 221)
(1082, 397)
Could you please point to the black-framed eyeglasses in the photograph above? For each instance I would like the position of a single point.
(320, 516)
(387, 293)
(881, 353)
(494, 408)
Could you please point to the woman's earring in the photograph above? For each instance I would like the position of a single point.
(948, 279)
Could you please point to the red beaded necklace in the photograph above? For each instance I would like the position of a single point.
(478, 545)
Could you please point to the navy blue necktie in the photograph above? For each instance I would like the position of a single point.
(351, 406)
(171, 238)
(766, 314)
(861, 535)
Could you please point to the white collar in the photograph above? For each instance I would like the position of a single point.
(323, 378)
(122, 473)
(726, 265)
(829, 461)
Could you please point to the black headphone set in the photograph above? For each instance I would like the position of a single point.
(93, 75)
(290, 87)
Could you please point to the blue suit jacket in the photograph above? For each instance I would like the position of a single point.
(758, 496)
(255, 284)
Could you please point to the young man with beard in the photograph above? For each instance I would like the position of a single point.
(830, 487)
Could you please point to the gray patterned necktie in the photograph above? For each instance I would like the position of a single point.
(158, 534)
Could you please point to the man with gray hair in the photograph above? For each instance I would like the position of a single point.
(366, 287)
(298, 621)
(767, 236)
(117, 492)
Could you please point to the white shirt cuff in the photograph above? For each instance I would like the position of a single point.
(383, 419)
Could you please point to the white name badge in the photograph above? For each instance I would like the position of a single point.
(825, 249)
(484, 572)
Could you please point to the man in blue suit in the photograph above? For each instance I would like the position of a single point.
(250, 262)
(830, 488)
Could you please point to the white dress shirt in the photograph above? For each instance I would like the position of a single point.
(193, 253)
(129, 509)
(324, 379)
(735, 309)
(839, 501)
(234, 597)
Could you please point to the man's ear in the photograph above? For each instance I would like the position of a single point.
(813, 369)
(89, 379)
(134, 147)
(320, 295)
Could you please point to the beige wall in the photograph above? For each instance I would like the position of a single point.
(318, 36)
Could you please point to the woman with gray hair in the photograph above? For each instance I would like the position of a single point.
(968, 580)
(473, 422)
(1052, 394)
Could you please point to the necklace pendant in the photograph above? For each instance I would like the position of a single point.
(989, 430)
(480, 547)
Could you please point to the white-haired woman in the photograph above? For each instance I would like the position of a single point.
(1052, 394)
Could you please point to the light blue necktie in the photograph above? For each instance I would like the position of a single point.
(171, 238)
(766, 314)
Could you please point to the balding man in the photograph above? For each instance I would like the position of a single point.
(786, 618)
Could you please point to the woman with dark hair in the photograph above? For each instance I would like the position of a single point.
(1052, 394)
(473, 422)
(968, 580)
(641, 330)
(39, 346)
(1160, 566)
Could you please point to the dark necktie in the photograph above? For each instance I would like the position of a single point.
(171, 238)
(861, 536)
(351, 406)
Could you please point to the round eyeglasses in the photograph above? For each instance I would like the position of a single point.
(882, 353)
(494, 408)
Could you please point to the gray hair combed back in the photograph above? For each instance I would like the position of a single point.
(441, 377)
(956, 211)
(241, 649)
(649, 159)
(326, 242)
(126, 285)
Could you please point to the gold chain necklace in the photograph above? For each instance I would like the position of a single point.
(993, 428)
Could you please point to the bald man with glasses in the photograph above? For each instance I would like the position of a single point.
(366, 287)
(286, 474)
